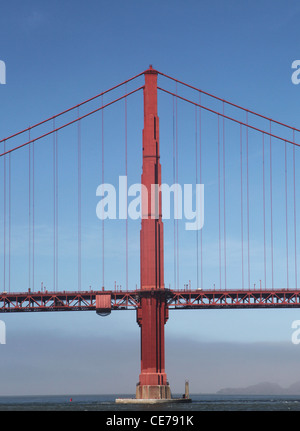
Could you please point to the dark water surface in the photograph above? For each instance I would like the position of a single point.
(106, 403)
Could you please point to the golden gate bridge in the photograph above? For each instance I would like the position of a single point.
(153, 299)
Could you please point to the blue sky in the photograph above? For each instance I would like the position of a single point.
(58, 54)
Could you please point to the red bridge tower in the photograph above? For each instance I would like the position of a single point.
(152, 313)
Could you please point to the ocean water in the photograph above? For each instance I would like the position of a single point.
(105, 403)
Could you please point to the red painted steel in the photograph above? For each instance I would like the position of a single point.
(151, 315)
(103, 303)
(227, 117)
(229, 103)
(44, 135)
(54, 117)
(152, 260)
(132, 300)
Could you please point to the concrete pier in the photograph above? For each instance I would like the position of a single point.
(160, 394)
(153, 392)
(135, 401)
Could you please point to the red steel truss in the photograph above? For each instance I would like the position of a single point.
(106, 301)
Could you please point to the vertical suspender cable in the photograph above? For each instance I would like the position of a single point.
(79, 202)
(200, 169)
(248, 210)
(54, 213)
(178, 282)
(264, 214)
(219, 193)
(33, 218)
(271, 205)
(197, 234)
(286, 214)
(174, 180)
(4, 220)
(29, 213)
(56, 209)
(295, 211)
(224, 197)
(103, 248)
(126, 173)
(9, 222)
(242, 217)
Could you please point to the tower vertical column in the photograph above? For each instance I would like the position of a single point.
(153, 313)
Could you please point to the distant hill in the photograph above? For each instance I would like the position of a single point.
(294, 389)
(264, 388)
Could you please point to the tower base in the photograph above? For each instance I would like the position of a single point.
(135, 401)
(153, 392)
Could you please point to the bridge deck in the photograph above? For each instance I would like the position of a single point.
(130, 300)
